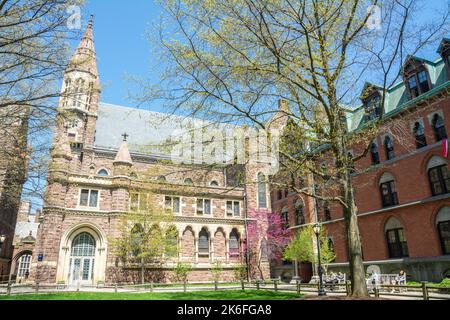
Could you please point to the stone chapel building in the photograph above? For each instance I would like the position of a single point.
(99, 153)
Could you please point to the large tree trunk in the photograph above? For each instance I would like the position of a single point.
(357, 272)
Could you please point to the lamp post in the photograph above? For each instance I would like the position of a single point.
(316, 229)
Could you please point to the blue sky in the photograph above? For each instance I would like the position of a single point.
(122, 48)
(121, 45)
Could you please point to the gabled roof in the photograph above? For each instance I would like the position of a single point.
(397, 97)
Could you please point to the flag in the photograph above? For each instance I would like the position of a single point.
(445, 148)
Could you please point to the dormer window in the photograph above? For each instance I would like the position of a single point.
(413, 88)
(373, 107)
(416, 77)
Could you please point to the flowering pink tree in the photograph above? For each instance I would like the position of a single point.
(267, 236)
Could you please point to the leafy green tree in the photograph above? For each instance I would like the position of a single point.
(234, 60)
(147, 237)
(181, 272)
(240, 273)
(216, 271)
(302, 247)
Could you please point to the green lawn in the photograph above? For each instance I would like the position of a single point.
(198, 295)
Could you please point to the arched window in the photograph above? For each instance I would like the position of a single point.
(299, 216)
(103, 173)
(203, 243)
(396, 240)
(188, 182)
(419, 134)
(234, 243)
(374, 153)
(389, 147)
(439, 127)
(262, 191)
(214, 183)
(285, 217)
(171, 241)
(83, 246)
(439, 175)
(388, 192)
(443, 226)
(82, 258)
(23, 265)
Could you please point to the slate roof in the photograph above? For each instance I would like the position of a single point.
(149, 132)
(23, 229)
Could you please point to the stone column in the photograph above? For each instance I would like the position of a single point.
(196, 250)
(227, 250)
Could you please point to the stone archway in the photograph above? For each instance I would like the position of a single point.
(82, 255)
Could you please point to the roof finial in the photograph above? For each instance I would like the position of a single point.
(91, 21)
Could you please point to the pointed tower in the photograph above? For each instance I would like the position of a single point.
(121, 177)
(80, 96)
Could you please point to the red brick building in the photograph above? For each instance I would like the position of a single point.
(402, 186)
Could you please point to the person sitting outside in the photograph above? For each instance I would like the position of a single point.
(332, 281)
(340, 277)
(401, 279)
(373, 281)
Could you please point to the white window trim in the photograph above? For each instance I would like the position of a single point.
(79, 206)
(233, 203)
(203, 213)
(179, 213)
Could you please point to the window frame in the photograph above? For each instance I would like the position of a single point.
(392, 193)
(24, 265)
(389, 148)
(262, 188)
(88, 206)
(445, 251)
(298, 206)
(172, 204)
(441, 180)
(202, 213)
(376, 160)
(201, 251)
(420, 139)
(234, 252)
(400, 246)
(419, 88)
(441, 132)
(372, 106)
(234, 204)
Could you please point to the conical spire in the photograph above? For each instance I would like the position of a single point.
(84, 58)
(123, 155)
